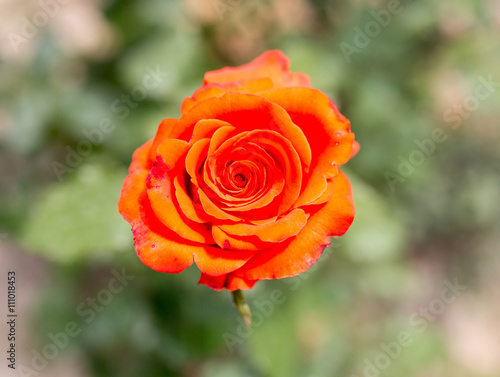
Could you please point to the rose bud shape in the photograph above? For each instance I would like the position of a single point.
(246, 183)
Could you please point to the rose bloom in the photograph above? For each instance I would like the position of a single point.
(246, 183)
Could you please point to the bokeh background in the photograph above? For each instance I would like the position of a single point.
(425, 221)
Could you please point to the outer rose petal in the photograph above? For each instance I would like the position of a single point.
(234, 283)
(327, 131)
(296, 255)
(217, 90)
(157, 246)
(229, 281)
(165, 131)
(272, 64)
(323, 125)
(355, 149)
(214, 282)
(299, 79)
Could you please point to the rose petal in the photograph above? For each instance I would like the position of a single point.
(233, 283)
(213, 210)
(272, 64)
(205, 129)
(219, 137)
(250, 86)
(171, 155)
(215, 261)
(214, 282)
(299, 79)
(237, 243)
(355, 149)
(278, 231)
(167, 129)
(193, 211)
(135, 182)
(229, 281)
(195, 158)
(326, 195)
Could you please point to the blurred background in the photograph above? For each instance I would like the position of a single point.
(413, 289)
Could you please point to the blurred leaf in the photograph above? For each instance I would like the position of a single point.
(78, 218)
(222, 369)
(32, 113)
(378, 232)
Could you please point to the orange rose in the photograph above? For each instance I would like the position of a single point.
(246, 183)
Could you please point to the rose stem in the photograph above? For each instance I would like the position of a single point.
(241, 304)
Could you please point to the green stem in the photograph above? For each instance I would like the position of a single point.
(241, 304)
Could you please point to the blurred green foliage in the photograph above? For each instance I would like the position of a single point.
(438, 222)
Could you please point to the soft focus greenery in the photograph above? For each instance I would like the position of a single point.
(440, 221)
